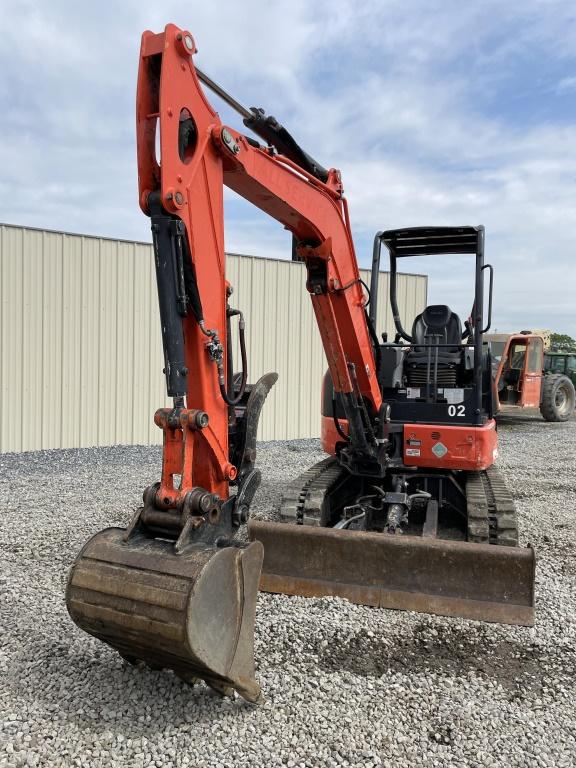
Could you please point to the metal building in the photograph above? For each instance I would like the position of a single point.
(80, 349)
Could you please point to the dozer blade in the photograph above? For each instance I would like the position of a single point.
(191, 612)
(449, 578)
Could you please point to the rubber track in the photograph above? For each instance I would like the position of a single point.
(303, 498)
(492, 515)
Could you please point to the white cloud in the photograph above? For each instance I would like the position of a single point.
(566, 85)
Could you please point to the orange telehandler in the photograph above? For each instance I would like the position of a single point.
(408, 423)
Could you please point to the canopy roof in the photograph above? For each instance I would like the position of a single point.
(428, 241)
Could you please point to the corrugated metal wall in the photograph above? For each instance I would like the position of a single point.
(80, 349)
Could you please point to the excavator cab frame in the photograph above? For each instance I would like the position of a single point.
(475, 407)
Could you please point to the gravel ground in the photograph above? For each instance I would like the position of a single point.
(344, 684)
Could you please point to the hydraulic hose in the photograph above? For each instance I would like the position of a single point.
(339, 429)
(375, 341)
(394, 302)
(221, 380)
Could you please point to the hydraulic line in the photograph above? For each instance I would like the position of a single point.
(360, 406)
(339, 429)
(375, 342)
(228, 399)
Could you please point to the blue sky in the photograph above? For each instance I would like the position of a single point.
(438, 112)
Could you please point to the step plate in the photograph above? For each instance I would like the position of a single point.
(449, 578)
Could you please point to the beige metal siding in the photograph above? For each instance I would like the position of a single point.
(80, 348)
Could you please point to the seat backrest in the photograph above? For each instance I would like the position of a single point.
(437, 325)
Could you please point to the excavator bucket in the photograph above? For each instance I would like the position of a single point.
(445, 577)
(192, 611)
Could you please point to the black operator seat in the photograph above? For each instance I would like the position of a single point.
(436, 325)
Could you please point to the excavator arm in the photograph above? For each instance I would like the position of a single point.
(198, 156)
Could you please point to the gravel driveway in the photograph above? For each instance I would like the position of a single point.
(344, 684)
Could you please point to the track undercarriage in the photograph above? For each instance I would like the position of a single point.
(326, 495)
(439, 542)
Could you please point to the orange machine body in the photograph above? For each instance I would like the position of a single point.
(470, 448)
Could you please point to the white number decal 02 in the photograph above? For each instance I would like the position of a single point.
(456, 410)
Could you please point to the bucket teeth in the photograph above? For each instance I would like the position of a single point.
(191, 612)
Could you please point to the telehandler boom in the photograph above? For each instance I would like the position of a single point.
(176, 589)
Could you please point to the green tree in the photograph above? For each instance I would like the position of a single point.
(561, 342)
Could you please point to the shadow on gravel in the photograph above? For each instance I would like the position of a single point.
(522, 669)
(97, 690)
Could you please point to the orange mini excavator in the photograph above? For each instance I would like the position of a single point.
(408, 423)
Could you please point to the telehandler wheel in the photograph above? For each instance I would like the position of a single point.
(558, 398)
